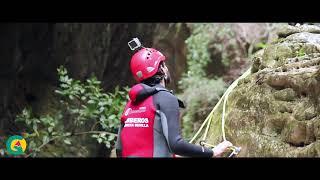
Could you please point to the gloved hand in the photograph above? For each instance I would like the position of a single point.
(221, 148)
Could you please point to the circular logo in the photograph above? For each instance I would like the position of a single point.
(16, 145)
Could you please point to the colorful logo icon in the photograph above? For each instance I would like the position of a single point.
(16, 145)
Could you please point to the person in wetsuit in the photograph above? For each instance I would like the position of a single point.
(150, 121)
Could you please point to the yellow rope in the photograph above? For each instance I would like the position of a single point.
(210, 116)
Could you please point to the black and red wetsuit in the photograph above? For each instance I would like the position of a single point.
(150, 126)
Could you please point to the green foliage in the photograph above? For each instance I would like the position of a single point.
(199, 93)
(86, 101)
(261, 45)
(39, 131)
(211, 43)
(301, 52)
(223, 43)
(82, 104)
(198, 56)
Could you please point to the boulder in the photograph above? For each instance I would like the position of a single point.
(275, 111)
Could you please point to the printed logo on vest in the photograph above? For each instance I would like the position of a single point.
(127, 112)
(130, 111)
(137, 122)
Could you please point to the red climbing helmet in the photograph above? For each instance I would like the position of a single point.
(145, 63)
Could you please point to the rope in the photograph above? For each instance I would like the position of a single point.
(210, 116)
(223, 113)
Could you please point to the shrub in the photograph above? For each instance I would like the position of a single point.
(84, 110)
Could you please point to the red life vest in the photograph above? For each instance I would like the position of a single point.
(138, 119)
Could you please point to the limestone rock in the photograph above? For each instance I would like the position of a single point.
(275, 111)
(288, 30)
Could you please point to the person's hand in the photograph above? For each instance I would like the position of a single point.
(221, 148)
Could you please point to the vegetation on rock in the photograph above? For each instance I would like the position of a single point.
(275, 110)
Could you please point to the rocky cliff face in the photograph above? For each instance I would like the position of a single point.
(275, 111)
(30, 54)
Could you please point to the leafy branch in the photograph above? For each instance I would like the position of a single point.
(82, 105)
(68, 135)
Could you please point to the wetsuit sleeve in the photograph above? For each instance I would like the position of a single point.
(169, 108)
(118, 143)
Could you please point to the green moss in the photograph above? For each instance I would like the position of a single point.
(294, 133)
(275, 55)
(278, 121)
(274, 113)
(316, 129)
(256, 64)
(278, 40)
(301, 52)
(287, 94)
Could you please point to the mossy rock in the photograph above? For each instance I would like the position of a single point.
(287, 30)
(294, 133)
(287, 94)
(274, 112)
